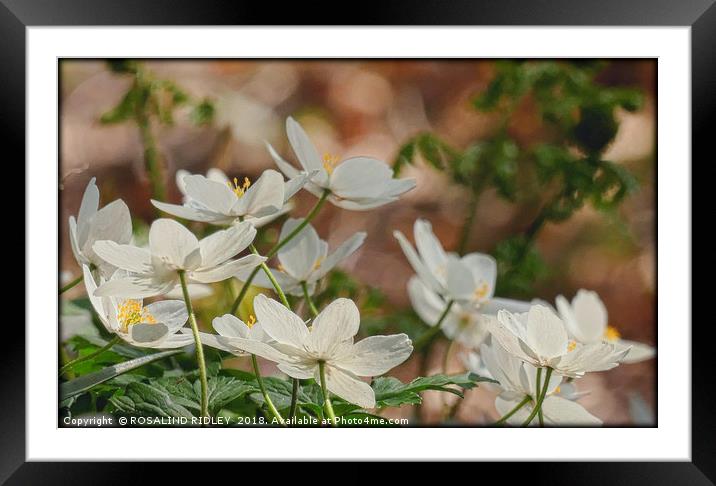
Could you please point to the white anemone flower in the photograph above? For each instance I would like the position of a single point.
(300, 350)
(464, 322)
(468, 279)
(357, 183)
(232, 332)
(217, 200)
(173, 248)
(152, 326)
(518, 381)
(112, 222)
(539, 337)
(474, 363)
(305, 259)
(587, 321)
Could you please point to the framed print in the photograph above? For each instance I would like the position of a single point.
(444, 234)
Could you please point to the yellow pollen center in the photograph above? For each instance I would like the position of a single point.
(611, 333)
(239, 190)
(318, 263)
(571, 346)
(132, 312)
(251, 321)
(557, 390)
(481, 291)
(330, 162)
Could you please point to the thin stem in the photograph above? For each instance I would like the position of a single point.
(267, 399)
(199, 348)
(306, 221)
(244, 290)
(540, 415)
(428, 335)
(71, 364)
(467, 227)
(311, 215)
(307, 298)
(294, 400)
(326, 394)
(152, 162)
(540, 399)
(509, 414)
(72, 284)
(272, 279)
(448, 355)
(294, 392)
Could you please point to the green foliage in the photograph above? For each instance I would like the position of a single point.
(88, 381)
(391, 392)
(148, 97)
(519, 266)
(566, 171)
(233, 394)
(567, 96)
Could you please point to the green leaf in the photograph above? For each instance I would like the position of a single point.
(429, 147)
(142, 399)
(224, 390)
(126, 109)
(391, 392)
(84, 383)
(202, 113)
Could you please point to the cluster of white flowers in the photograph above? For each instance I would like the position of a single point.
(531, 349)
(119, 274)
(515, 342)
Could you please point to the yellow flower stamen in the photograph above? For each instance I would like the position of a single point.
(571, 346)
(239, 190)
(481, 291)
(251, 321)
(318, 263)
(557, 390)
(330, 162)
(132, 312)
(611, 334)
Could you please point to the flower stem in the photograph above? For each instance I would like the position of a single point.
(509, 414)
(307, 298)
(294, 392)
(540, 398)
(326, 394)
(71, 364)
(540, 415)
(152, 159)
(199, 348)
(70, 285)
(467, 227)
(272, 279)
(294, 400)
(428, 335)
(311, 215)
(267, 399)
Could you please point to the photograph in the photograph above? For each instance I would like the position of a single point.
(357, 242)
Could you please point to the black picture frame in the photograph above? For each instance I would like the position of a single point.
(700, 15)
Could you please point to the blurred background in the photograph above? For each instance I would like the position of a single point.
(374, 108)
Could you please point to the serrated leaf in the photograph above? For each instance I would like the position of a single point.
(146, 400)
(391, 392)
(224, 390)
(86, 382)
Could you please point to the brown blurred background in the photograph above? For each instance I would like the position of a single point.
(372, 108)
